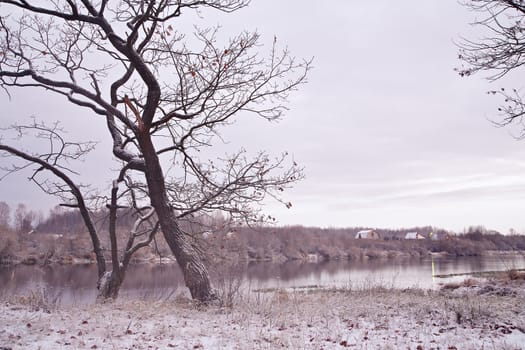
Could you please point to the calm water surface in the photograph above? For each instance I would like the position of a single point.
(76, 284)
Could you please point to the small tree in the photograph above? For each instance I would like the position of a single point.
(62, 185)
(163, 100)
(5, 215)
(500, 52)
(24, 219)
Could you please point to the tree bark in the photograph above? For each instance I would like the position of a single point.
(109, 285)
(196, 276)
(195, 273)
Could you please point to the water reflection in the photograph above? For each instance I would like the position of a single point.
(76, 284)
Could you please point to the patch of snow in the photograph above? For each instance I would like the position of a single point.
(366, 319)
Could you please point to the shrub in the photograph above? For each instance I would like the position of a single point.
(8, 245)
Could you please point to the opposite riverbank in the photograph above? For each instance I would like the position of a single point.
(275, 245)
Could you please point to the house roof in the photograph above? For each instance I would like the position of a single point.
(365, 231)
(413, 235)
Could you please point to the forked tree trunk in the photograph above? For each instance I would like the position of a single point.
(195, 273)
(109, 285)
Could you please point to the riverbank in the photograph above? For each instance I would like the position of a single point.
(264, 244)
(361, 252)
(471, 316)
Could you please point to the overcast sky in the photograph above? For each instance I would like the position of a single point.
(390, 136)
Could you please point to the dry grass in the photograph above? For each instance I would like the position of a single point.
(466, 283)
(470, 282)
(514, 274)
(451, 286)
(312, 319)
(37, 300)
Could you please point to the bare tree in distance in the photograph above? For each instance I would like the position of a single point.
(5, 215)
(24, 219)
(164, 99)
(500, 52)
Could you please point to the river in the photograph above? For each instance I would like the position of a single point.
(75, 284)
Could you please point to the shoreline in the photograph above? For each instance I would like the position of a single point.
(386, 255)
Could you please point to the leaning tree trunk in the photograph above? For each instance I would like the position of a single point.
(195, 273)
(190, 261)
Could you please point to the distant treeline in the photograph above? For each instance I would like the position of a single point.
(298, 242)
(60, 220)
(61, 236)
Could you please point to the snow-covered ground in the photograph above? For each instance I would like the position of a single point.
(478, 317)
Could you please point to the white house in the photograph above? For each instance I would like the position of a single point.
(367, 234)
(414, 235)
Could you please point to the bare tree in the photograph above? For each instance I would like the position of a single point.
(163, 100)
(5, 215)
(24, 219)
(55, 160)
(500, 51)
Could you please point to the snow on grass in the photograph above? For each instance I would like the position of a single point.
(376, 318)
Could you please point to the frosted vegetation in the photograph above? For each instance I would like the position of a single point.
(472, 315)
